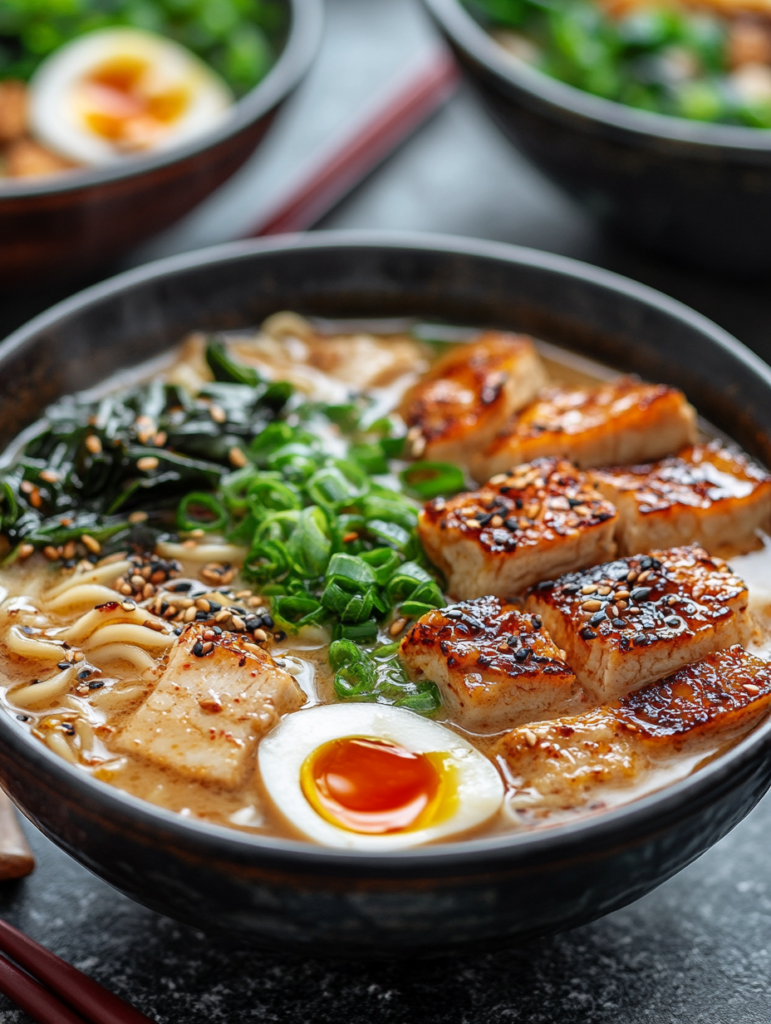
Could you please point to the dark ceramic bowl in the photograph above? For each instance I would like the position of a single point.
(455, 896)
(73, 226)
(698, 193)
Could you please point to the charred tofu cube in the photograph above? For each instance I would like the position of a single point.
(708, 494)
(469, 394)
(494, 665)
(566, 762)
(214, 700)
(621, 422)
(626, 623)
(543, 519)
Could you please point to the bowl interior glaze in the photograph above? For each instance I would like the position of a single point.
(439, 899)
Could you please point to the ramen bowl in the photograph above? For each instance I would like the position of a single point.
(436, 899)
(695, 192)
(72, 226)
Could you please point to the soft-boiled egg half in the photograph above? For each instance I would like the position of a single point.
(373, 777)
(120, 91)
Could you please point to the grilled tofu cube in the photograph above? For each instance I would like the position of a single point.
(212, 703)
(494, 664)
(566, 762)
(621, 422)
(543, 519)
(708, 494)
(469, 394)
(625, 623)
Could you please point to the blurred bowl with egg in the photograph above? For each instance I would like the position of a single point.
(121, 130)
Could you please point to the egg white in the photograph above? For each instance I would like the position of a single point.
(56, 121)
(283, 751)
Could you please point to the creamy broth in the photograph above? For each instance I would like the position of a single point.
(81, 722)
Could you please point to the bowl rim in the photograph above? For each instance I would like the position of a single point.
(294, 61)
(468, 35)
(689, 792)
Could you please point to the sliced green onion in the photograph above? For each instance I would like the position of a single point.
(226, 369)
(431, 479)
(293, 612)
(215, 516)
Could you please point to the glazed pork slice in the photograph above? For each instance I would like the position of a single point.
(709, 493)
(495, 665)
(628, 622)
(565, 763)
(621, 422)
(469, 394)
(543, 519)
(214, 700)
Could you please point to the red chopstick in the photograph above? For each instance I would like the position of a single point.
(354, 154)
(93, 1002)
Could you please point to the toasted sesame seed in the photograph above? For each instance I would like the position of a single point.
(591, 606)
(603, 591)
(203, 604)
(643, 576)
(189, 615)
(137, 517)
(148, 463)
(260, 634)
(217, 413)
(50, 476)
(590, 588)
(631, 576)
(91, 543)
(51, 552)
(255, 602)
(237, 457)
(622, 595)
(473, 524)
(147, 591)
(160, 439)
(530, 737)
(397, 626)
(751, 688)
(25, 550)
(499, 478)
(238, 623)
(34, 499)
(496, 522)
(26, 487)
(93, 444)
(252, 647)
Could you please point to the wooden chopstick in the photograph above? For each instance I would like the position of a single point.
(350, 157)
(31, 997)
(95, 1004)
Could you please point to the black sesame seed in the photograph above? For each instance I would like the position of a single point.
(484, 661)
(601, 517)
(571, 588)
(84, 673)
(587, 634)
(513, 640)
(536, 621)
(68, 729)
(281, 635)
(519, 503)
(238, 611)
(483, 520)
(544, 585)
(522, 654)
(23, 718)
(674, 622)
(575, 501)
(646, 563)
(217, 630)
(267, 620)
(202, 616)
(96, 684)
(619, 623)
(511, 524)
(63, 664)
(178, 631)
(252, 623)
(623, 642)
(655, 563)
(640, 593)
(198, 649)
(597, 618)
(180, 588)
(214, 607)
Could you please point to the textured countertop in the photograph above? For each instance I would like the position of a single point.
(696, 950)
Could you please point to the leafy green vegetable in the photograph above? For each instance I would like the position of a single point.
(663, 58)
(238, 38)
(379, 676)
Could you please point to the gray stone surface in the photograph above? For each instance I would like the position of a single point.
(698, 949)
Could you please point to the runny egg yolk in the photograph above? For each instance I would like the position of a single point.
(116, 103)
(374, 786)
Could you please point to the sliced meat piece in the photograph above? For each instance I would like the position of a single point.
(565, 763)
(622, 422)
(469, 394)
(214, 700)
(542, 520)
(710, 494)
(625, 623)
(494, 664)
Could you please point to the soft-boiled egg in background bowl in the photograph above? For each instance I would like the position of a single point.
(373, 777)
(121, 91)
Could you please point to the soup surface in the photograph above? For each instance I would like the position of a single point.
(382, 584)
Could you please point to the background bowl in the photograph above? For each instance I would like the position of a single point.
(699, 193)
(445, 898)
(74, 225)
